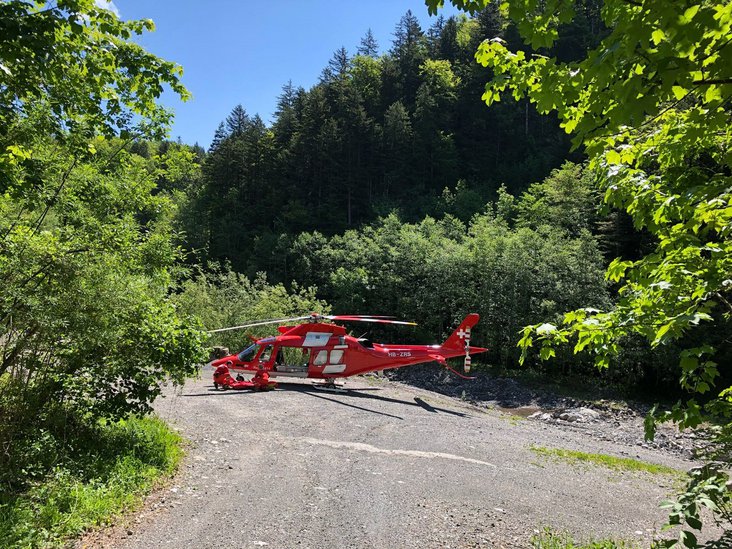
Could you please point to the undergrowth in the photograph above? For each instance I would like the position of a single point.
(611, 462)
(107, 471)
(550, 539)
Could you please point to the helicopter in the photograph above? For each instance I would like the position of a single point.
(318, 349)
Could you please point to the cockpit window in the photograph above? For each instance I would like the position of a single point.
(248, 354)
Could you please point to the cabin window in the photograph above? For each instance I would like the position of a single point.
(321, 358)
(266, 354)
(336, 356)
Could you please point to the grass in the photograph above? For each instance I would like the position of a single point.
(549, 539)
(611, 462)
(123, 462)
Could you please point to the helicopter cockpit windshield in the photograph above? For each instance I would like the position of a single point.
(248, 354)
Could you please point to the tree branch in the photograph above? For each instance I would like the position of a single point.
(709, 82)
(721, 297)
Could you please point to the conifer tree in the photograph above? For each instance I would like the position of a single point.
(218, 137)
(433, 36)
(285, 117)
(410, 50)
(337, 68)
(368, 46)
(237, 121)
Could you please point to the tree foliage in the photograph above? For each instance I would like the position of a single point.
(79, 61)
(437, 271)
(222, 298)
(380, 132)
(650, 105)
(87, 253)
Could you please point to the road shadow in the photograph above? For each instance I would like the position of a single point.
(345, 397)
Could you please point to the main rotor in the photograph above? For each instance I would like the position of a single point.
(314, 318)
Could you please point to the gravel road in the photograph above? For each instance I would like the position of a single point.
(382, 465)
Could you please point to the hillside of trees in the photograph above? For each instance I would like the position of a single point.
(400, 131)
(572, 186)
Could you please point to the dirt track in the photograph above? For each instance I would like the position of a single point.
(385, 465)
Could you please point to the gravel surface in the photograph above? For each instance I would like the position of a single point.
(619, 422)
(384, 465)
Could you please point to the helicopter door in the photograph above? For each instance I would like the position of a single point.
(335, 362)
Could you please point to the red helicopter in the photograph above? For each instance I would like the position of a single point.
(320, 350)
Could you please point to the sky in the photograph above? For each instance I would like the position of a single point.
(243, 52)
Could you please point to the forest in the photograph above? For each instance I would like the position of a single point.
(433, 176)
(391, 175)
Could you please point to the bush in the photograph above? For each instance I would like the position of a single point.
(99, 469)
(221, 298)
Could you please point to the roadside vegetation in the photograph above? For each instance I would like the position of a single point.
(88, 261)
(86, 479)
(605, 460)
(551, 539)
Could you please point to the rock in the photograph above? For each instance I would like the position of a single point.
(580, 415)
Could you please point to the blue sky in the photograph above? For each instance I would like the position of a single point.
(244, 51)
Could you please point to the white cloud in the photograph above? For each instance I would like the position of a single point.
(107, 5)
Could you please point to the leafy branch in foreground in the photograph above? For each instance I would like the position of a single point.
(651, 107)
(80, 60)
(87, 259)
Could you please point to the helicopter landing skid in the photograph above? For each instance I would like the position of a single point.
(330, 386)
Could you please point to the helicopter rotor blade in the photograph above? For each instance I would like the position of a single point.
(377, 320)
(359, 316)
(260, 323)
(314, 317)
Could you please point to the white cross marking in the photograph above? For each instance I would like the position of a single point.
(461, 334)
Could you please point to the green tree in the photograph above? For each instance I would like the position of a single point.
(650, 104)
(368, 46)
(87, 259)
(409, 51)
(78, 59)
(566, 199)
(203, 294)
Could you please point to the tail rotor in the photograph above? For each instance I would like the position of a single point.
(466, 339)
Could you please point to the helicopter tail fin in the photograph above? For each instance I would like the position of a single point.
(461, 336)
(460, 339)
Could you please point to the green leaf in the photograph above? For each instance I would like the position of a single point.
(617, 268)
(689, 15)
(546, 353)
(658, 36)
(679, 92)
(613, 157)
(688, 539)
